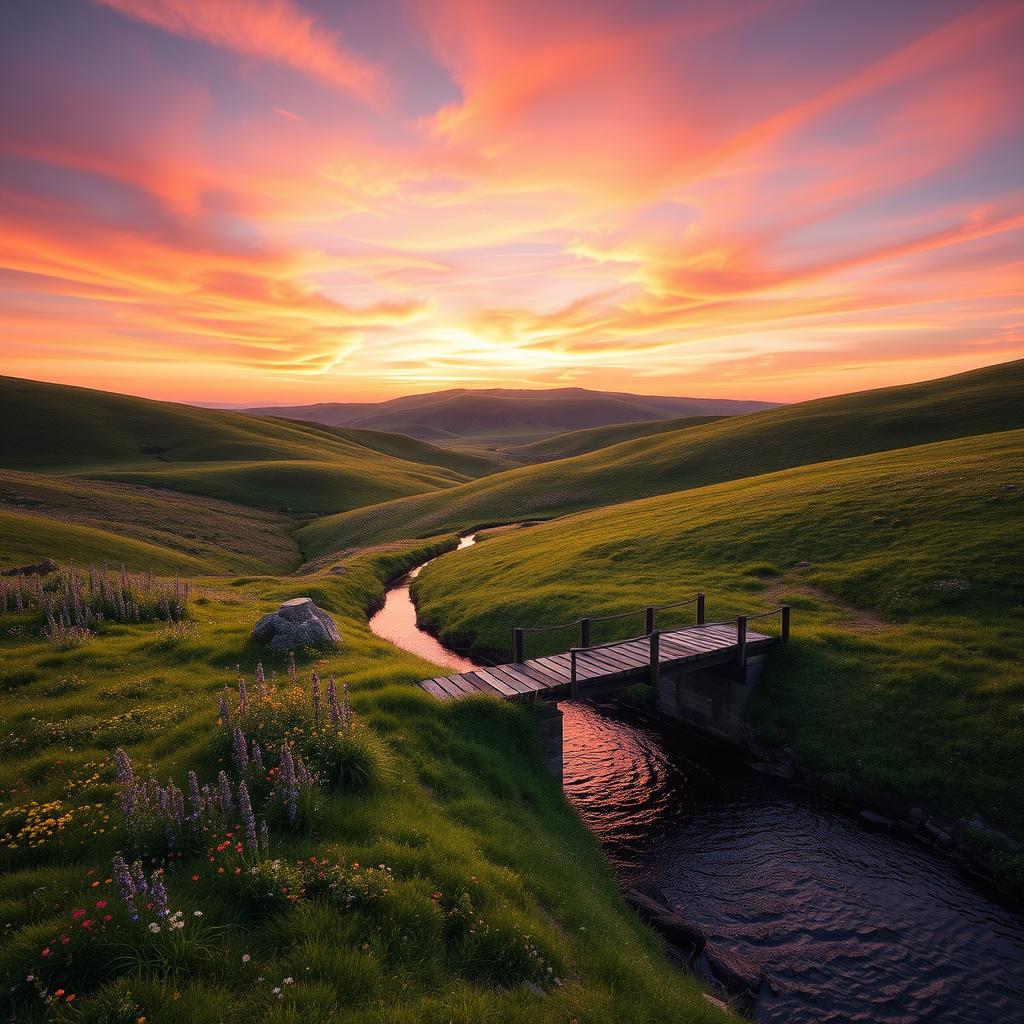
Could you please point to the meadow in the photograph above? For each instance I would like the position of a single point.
(432, 873)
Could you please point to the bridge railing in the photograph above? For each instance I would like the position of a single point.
(583, 625)
(654, 638)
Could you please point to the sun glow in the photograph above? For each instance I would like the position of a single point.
(319, 203)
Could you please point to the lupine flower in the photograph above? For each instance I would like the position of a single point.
(125, 886)
(239, 750)
(293, 675)
(158, 893)
(243, 697)
(264, 838)
(316, 701)
(225, 717)
(195, 796)
(289, 782)
(260, 677)
(139, 877)
(227, 801)
(333, 711)
(248, 818)
(257, 757)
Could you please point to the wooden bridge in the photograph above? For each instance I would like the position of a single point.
(591, 668)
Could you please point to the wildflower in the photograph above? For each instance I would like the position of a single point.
(257, 758)
(243, 697)
(333, 711)
(248, 818)
(227, 800)
(264, 838)
(239, 750)
(260, 677)
(125, 887)
(246, 958)
(222, 712)
(158, 891)
(197, 913)
(195, 796)
(289, 782)
(154, 927)
(293, 675)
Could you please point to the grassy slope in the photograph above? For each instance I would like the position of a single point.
(142, 527)
(466, 806)
(47, 427)
(579, 442)
(892, 682)
(830, 428)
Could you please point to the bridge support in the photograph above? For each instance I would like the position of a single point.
(711, 700)
(549, 727)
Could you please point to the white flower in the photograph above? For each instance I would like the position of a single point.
(246, 958)
(289, 981)
(154, 927)
(197, 913)
(277, 990)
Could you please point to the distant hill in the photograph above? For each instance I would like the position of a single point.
(981, 401)
(255, 461)
(501, 417)
(579, 442)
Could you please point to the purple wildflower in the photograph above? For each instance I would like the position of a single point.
(227, 801)
(257, 758)
(248, 818)
(195, 796)
(158, 894)
(243, 697)
(260, 677)
(139, 878)
(289, 782)
(264, 837)
(125, 886)
(239, 750)
(293, 675)
(223, 712)
(333, 711)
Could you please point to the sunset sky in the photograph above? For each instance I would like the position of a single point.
(302, 200)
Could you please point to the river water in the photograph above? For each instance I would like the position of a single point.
(849, 924)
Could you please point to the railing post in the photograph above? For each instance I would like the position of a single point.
(741, 641)
(584, 632)
(655, 658)
(700, 609)
(573, 681)
(517, 644)
(785, 623)
(649, 621)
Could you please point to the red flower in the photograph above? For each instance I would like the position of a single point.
(76, 914)
(195, 878)
(100, 904)
(46, 952)
(108, 918)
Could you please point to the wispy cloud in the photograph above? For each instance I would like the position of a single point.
(274, 30)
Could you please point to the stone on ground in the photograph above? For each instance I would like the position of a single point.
(298, 623)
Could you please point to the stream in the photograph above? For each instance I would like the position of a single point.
(848, 924)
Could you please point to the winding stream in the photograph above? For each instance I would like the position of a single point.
(850, 925)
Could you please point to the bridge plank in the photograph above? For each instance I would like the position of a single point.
(543, 673)
(501, 683)
(515, 676)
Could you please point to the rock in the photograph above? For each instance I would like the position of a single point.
(38, 569)
(339, 570)
(737, 973)
(878, 820)
(295, 625)
(675, 928)
(718, 1004)
(534, 989)
(803, 565)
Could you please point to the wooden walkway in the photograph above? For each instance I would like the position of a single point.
(592, 668)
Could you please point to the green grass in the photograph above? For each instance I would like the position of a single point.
(592, 439)
(900, 680)
(830, 428)
(146, 528)
(258, 461)
(463, 806)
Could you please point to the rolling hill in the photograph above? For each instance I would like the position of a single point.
(579, 442)
(500, 417)
(985, 400)
(903, 568)
(256, 461)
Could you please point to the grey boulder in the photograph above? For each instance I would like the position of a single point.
(296, 624)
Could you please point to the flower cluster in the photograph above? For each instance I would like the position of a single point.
(35, 824)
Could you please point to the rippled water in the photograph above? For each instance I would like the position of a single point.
(850, 925)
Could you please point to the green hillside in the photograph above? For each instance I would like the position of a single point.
(983, 400)
(905, 676)
(579, 442)
(456, 885)
(251, 460)
(84, 520)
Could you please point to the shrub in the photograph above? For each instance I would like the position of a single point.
(352, 763)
